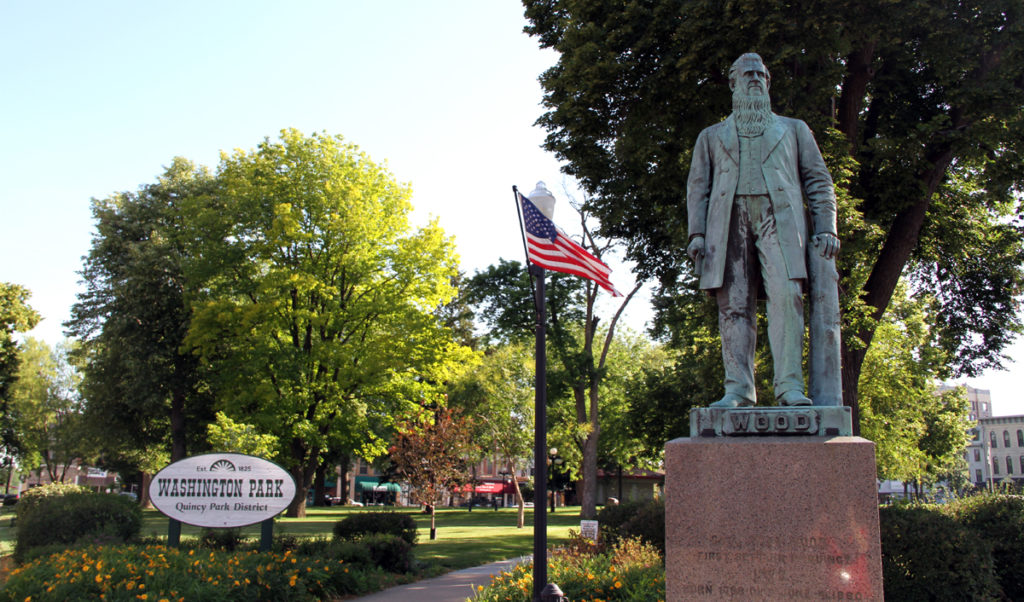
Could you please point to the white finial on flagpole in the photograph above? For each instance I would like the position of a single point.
(543, 200)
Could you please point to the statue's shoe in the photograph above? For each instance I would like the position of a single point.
(732, 401)
(794, 398)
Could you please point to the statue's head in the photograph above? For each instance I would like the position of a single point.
(750, 74)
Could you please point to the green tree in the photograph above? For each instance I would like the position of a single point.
(924, 98)
(313, 300)
(919, 434)
(15, 316)
(431, 453)
(226, 435)
(502, 296)
(145, 400)
(499, 394)
(48, 410)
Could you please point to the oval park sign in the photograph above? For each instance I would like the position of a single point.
(222, 490)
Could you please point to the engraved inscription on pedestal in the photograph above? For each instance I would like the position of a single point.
(817, 421)
(771, 518)
(755, 569)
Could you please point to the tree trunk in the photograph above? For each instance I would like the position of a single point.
(885, 275)
(588, 508)
(319, 488)
(859, 73)
(297, 509)
(521, 514)
(144, 500)
(433, 527)
(178, 450)
(346, 461)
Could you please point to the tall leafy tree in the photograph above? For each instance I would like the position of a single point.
(145, 400)
(314, 299)
(15, 316)
(579, 342)
(499, 394)
(48, 410)
(919, 433)
(919, 102)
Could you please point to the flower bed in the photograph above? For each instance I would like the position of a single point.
(629, 571)
(161, 573)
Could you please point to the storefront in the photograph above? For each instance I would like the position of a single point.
(486, 492)
(370, 491)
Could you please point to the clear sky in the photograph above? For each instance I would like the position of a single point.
(97, 97)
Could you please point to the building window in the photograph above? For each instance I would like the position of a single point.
(1006, 438)
(977, 475)
(992, 438)
(977, 455)
(995, 465)
(363, 467)
(1009, 465)
(1020, 438)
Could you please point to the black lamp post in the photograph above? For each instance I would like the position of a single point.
(542, 590)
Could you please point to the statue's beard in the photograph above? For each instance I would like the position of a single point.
(753, 112)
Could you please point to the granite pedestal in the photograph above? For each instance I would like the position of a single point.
(772, 518)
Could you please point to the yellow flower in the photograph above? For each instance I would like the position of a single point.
(291, 582)
(99, 579)
(129, 586)
(618, 584)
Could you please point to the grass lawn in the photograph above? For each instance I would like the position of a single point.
(464, 538)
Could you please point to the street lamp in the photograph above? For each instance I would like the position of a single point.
(556, 463)
(542, 198)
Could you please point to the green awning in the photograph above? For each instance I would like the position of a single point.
(368, 486)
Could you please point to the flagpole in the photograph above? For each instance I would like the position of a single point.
(540, 454)
(542, 590)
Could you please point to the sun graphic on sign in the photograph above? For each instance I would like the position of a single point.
(222, 465)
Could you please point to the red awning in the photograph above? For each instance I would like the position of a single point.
(489, 487)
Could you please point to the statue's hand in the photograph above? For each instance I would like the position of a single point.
(827, 244)
(696, 250)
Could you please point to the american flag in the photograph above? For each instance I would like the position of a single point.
(552, 249)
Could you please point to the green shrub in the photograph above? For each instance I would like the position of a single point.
(929, 556)
(630, 571)
(643, 519)
(999, 519)
(76, 517)
(157, 572)
(221, 539)
(33, 497)
(388, 523)
(389, 552)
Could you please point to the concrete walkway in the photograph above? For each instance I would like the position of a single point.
(452, 587)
